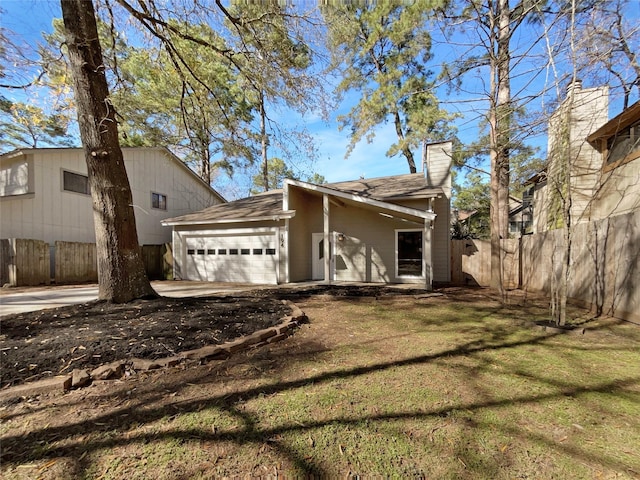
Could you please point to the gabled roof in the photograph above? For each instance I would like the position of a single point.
(375, 192)
(397, 187)
(265, 206)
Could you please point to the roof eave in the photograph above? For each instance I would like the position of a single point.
(360, 199)
(624, 119)
(272, 218)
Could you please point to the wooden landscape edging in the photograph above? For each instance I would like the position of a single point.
(115, 370)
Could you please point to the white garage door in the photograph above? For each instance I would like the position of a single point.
(238, 258)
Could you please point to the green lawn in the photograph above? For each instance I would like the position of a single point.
(444, 387)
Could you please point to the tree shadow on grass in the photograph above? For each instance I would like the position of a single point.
(20, 448)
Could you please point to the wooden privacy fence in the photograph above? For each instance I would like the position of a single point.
(158, 261)
(26, 262)
(604, 271)
(75, 262)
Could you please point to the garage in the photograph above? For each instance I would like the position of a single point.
(249, 258)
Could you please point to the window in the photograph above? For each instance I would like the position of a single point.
(191, 251)
(211, 251)
(271, 251)
(519, 227)
(233, 251)
(158, 201)
(409, 253)
(245, 251)
(222, 251)
(257, 251)
(15, 177)
(201, 251)
(623, 143)
(75, 182)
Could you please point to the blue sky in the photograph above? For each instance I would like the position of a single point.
(28, 18)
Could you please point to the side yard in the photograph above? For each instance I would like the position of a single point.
(444, 385)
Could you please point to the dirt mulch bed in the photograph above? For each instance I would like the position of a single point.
(50, 342)
(39, 344)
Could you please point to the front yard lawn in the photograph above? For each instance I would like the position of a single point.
(426, 386)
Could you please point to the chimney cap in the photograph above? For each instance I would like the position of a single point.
(576, 84)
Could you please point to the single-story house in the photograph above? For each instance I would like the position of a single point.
(389, 230)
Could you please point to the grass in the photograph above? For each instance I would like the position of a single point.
(432, 388)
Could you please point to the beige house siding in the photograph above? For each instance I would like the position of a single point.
(368, 250)
(155, 170)
(573, 122)
(438, 160)
(598, 191)
(590, 111)
(52, 214)
(619, 191)
(441, 239)
(49, 213)
(308, 220)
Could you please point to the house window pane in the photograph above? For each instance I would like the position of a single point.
(201, 251)
(74, 182)
(623, 143)
(211, 251)
(222, 251)
(191, 251)
(233, 251)
(271, 251)
(257, 251)
(410, 254)
(159, 201)
(245, 251)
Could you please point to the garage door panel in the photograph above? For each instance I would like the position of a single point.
(245, 258)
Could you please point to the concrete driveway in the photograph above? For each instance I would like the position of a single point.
(29, 299)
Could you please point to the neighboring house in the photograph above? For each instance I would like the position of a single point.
(618, 142)
(520, 216)
(388, 230)
(44, 194)
(473, 224)
(602, 156)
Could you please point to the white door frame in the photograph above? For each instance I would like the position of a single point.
(317, 263)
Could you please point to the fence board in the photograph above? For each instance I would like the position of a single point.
(604, 271)
(25, 262)
(5, 260)
(75, 262)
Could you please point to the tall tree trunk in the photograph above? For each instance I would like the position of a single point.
(406, 151)
(121, 273)
(500, 135)
(263, 139)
